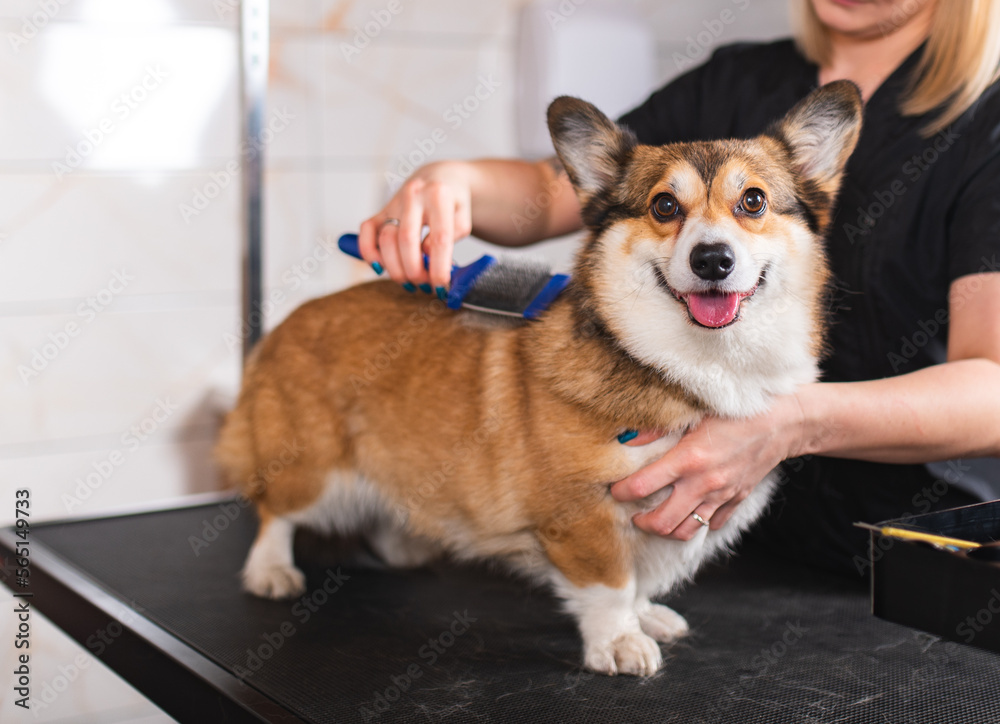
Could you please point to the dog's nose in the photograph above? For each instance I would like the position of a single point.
(712, 262)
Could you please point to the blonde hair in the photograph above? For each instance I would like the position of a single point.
(960, 61)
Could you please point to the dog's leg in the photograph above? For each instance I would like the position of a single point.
(270, 571)
(596, 578)
(613, 641)
(399, 549)
(662, 565)
(661, 622)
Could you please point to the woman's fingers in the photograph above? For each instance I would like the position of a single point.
(367, 241)
(725, 512)
(396, 240)
(647, 480)
(437, 196)
(388, 248)
(672, 513)
(463, 215)
(675, 517)
(411, 222)
(690, 525)
(440, 241)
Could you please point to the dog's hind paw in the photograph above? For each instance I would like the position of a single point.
(661, 622)
(399, 549)
(274, 581)
(632, 653)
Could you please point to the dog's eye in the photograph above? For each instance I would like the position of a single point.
(664, 206)
(753, 201)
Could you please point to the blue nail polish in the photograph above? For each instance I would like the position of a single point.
(628, 435)
(425, 288)
(377, 267)
(442, 293)
(409, 287)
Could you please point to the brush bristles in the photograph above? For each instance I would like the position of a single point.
(510, 285)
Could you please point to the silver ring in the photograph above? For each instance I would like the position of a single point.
(699, 519)
(390, 222)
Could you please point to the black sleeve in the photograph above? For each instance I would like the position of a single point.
(974, 230)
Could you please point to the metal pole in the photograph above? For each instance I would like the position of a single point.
(254, 47)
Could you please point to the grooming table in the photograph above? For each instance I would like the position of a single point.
(772, 642)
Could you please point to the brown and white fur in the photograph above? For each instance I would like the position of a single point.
(376, 411)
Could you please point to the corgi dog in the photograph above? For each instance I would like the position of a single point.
(699, 290)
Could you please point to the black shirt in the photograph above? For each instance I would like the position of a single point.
(913, 215)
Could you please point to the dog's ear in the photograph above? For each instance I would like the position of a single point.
(821, 131)
(591, 146)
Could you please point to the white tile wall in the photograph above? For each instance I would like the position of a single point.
(109, 376)
(344, 121)
(71, 236)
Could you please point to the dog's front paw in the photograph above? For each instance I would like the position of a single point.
(631, 653)
(662, 623)
(274, 581)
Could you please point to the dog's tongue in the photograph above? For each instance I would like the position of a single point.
(713, 310)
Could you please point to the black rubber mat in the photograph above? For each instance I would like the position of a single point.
(772, 642)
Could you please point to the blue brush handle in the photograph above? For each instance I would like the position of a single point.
(348, 244)
(462, 278)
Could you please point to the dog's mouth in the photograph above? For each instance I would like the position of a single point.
(712, 309)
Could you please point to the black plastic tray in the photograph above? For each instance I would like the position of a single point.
(943, 592)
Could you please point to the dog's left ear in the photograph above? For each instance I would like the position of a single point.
(591, 146)
(821, 132)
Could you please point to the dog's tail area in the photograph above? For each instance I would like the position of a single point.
(284, 432)
(234, 451)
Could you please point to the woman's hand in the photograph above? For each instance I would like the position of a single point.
(713, 468)
(438, 196)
